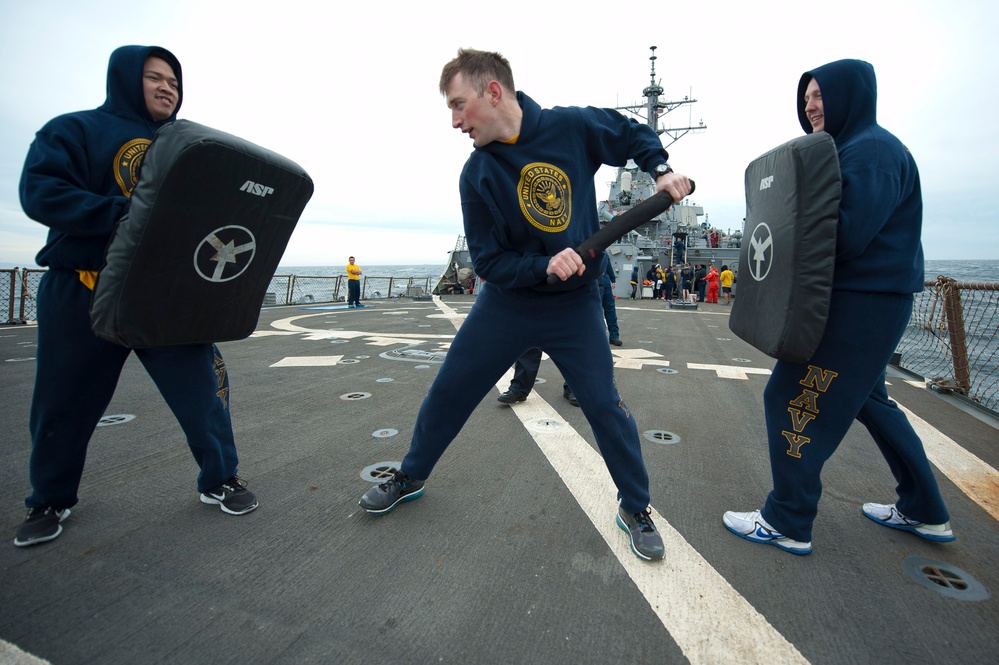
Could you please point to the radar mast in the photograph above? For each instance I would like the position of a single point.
(655, 106)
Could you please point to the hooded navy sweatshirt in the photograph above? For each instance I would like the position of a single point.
(878, 245)
(82, 166)
(524, 202)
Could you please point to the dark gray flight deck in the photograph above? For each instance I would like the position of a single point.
(505, 559)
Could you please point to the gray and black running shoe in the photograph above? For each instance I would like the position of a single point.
(646, 542)
(382, 498)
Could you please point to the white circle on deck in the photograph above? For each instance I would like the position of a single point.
(543, 425)
(661, 436)
(380, 472)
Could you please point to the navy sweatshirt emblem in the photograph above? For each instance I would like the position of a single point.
(545, 197)
(127, 163)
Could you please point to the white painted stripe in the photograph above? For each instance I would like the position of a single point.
(308, 361)
(11, 654)
(966, 470)
(709, 620)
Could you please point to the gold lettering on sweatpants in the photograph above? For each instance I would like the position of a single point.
(805, 407)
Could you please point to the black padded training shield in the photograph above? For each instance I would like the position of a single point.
(788, 248)
(209, 219)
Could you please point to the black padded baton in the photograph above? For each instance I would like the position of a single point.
(629, 220)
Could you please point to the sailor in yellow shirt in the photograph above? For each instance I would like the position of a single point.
(353, 284)
(726, 278)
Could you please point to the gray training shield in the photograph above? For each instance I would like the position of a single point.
(208, 222)
(788, 248)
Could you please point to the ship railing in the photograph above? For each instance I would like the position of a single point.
(18, 291)
(309, 289)
(952, 340)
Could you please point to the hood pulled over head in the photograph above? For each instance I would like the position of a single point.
(125, 94)
(849, 97)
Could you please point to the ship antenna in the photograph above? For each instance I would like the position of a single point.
(651, 95)
(656, 106)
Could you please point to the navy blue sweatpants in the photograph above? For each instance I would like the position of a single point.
(501, 326)
(76, 377)
(809, 408)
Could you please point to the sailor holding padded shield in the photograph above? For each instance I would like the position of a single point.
(77, 180)
(878, 266)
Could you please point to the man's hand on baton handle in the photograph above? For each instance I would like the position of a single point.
(569, 261)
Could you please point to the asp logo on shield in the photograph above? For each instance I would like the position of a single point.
(225, 253)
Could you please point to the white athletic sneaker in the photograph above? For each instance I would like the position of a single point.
(888, 515)
(752, 526)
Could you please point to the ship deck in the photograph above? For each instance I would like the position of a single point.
(512, 555)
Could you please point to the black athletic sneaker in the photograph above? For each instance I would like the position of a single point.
(646, 542)
(510, 397)
(232, 497)
(382, 498)
(40, 525)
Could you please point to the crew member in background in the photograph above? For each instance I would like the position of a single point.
(353, 284)
(726, 278)
(712, 280)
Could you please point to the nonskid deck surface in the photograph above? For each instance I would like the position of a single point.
(512, 554)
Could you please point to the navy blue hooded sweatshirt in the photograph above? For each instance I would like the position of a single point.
(524, 202)
(878, 245)
(82, 166)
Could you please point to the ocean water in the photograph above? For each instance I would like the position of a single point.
(964, 271)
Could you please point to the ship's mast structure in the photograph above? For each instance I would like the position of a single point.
(655, 107)
(632, 185)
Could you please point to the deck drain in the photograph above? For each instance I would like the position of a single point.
(661, 436)
(724, 339)
(543, 425)
(107, 421)
(667, 370)
(410, 354)
(362, 357)
(339, 341)
(348, 361)
(384, 380)
(354, 396)
(380, 472)
(742, 360)
(944, 578)
(384, 433)
(422, 367)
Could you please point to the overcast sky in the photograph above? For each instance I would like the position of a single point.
(349, 92)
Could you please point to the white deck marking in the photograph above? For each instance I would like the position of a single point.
(729, 371)
(308, 361)
(710, 621)
(969, 472)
